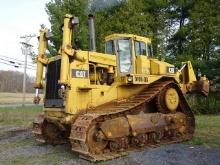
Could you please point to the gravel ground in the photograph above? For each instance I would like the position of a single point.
(17, 146)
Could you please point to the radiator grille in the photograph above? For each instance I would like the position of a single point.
(52, 98)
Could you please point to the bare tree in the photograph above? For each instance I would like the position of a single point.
(11, 81)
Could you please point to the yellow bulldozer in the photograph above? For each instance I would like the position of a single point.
(108, 104)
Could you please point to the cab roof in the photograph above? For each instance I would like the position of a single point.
(132, 36)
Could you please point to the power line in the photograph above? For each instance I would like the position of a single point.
(14, 62)
(16, 66)
(9, 64)
(13, 59)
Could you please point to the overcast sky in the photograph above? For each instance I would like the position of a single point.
(17, 18)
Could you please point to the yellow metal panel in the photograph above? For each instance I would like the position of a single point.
(103, 94)
(54, 58)
(41, 57)
(67, 37)
(142, 65)
(154, 67)
(159, 67)
(102, 58)
(132, 36)
(188, 72)
(125, 91)
(77, 100)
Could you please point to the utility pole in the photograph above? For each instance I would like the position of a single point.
(25, 51)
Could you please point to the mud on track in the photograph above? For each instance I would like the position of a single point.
(17, 146)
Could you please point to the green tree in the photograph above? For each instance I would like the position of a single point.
(204, 30)
(180, 30)
(157, 10)
(178, 18)
(127, 17)
(56, 9)
(196, 33)
(143, 17)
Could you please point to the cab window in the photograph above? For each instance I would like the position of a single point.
(110, 47)
(125, 57)
(140, 48)
(149, 50)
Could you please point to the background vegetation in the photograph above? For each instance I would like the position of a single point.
(19, 116)
(180, 30)
(205, 105)
(11, 81)
(207, 131)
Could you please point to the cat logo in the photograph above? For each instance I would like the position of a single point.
(171, 70)
(79, 73)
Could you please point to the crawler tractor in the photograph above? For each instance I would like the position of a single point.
(108, 104)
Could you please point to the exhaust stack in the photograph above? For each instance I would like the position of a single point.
(92, 39)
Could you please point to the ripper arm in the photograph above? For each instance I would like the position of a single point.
(41, 61)
(189, 83)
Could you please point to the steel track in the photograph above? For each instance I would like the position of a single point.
(80, 128)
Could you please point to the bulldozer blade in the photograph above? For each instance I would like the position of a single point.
(202, 87)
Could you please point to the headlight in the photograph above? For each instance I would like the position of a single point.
(130, 79)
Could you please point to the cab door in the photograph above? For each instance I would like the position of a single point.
(142, 62)
(124, 56)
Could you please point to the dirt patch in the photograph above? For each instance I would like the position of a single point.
(18, 146)
(11, 132)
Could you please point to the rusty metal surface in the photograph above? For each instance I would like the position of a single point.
(37, 128)
(47, 132)
(36, 100)
(144, 123)
(115, 128)
(202, 87)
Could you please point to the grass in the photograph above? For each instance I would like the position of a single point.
(19, 116)
(16, 98)
(207, 126)
(207, 131)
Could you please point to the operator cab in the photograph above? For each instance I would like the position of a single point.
(128, 48)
